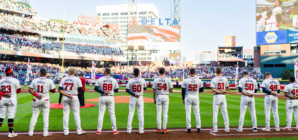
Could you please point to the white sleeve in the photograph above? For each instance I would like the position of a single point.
(256, 84)
(240, 84)
(183, 84)
(52, 85)
(154, 84)
(227, 83)
(286, 89)
(212, 84)
(263, 84)
(145, 84)
(170, 84)
(61, 83)
(128, 85)
(31, 85)
(278, 86)
(201, 84)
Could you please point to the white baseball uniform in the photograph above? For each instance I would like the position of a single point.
(70, 85)
(9, 85)
(41, 86)
(107, 83)
(261, 23)
(272, 22)
(162, 85)
(192, 86)
(248, 85)
(271, 101)
(136, 85)
(219, 100)
(292, 104)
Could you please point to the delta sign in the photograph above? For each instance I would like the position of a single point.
(154, 20)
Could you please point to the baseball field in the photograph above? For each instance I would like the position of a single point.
(176, 117)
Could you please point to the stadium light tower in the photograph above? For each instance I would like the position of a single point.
(175, 13)
(132, 13)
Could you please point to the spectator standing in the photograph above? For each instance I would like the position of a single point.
(81, 95)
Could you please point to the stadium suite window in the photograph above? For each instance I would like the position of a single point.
(106, 14)
(115, 14)
(142, 13)
(98, 14)
(123, 14)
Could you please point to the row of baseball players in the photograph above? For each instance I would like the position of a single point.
(71, 86)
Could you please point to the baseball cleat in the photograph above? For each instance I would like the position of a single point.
(115, 132)
(128, 132)
(165, 131)
(11, 135)
(266, 129)
(254, 130)
(82, 132)
(187, 130)
(158, 131)
(48, 135)
(212, 130)
(239, 130)
(296, 128)
(198, 130)
(277, 129)
(30, 133)
(98, 132)
(227, 130)
(287, 129)
(141, 132)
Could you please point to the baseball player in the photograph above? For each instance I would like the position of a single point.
(70, 87)
(273, 21)
(9, 88)
(248, 87)
(106, 86)
(291, 92)
(261, 24)
(135, 87)
(190, 95)
(271, 88)
(40, 89)
(219, 87)
(294, 15)
(162, 86)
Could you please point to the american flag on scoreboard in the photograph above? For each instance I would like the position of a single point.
(153, 33)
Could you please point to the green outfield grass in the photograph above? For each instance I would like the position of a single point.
(176, 119)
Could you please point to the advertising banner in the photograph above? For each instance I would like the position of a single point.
(278, 49)
(230, 41)
(292, 36)
(272, 37)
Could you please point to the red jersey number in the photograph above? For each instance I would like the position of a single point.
(107, 87)
(40, 88)
(192, 87)
(161, 86)
(294, 92)
(221, 86)
(136, 88)
(249, 86)
(68, 84)
(6, 89)
(273, 87)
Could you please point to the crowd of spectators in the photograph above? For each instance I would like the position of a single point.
(25, 44)
(15, 5)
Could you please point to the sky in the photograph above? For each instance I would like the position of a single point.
(204, 23)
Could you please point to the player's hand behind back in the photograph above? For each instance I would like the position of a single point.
(7, 95)
(106, 93)
(137, 96)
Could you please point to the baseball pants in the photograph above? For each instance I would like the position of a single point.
(82, 98)
(250, 102)
(106, 101)
(139, 102)
(272, 27)
(75, 105)
(271, 101)
(162, 103)
(220, 101)
(195, 103)
(37, 106)
(8, 107)
(292, 105)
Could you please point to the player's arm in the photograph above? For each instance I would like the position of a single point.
(171, 86)
(53, 87)
(154, 91)
(80, 86)
(63, 92)
(4, 94)
(227, 85)
(116, 86)
(97, 89)
(201, 87)
(18, 87)
(290, 96)
(183, 91)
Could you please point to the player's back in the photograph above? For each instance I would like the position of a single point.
(70, 84)
(107, 83)
(42, 86)
(292, 89)
(162, 85)
(10, 85)
(248, 84)
(219, 83)
(271, 84)
(192, 86)
(137, 85)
